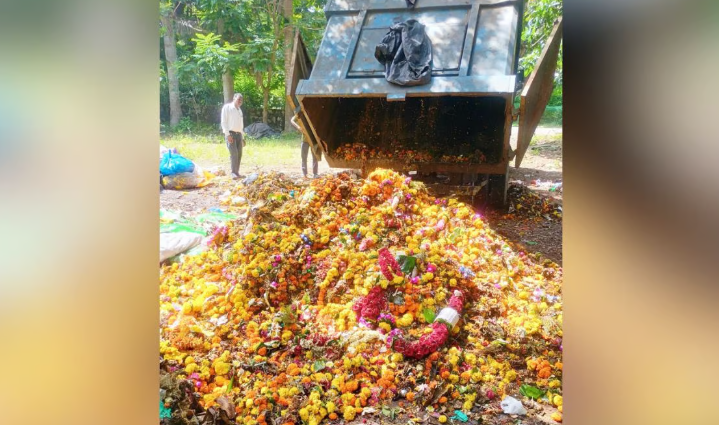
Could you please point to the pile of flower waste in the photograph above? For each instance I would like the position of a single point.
(525, 203)
(344, 298)
(360, 151)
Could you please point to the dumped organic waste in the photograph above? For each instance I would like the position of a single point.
(345, 298)
(525, 203)
(362, 152)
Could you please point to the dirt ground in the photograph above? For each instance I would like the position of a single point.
(533, 222)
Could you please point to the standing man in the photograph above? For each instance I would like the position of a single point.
(233, 127)
(305, 150)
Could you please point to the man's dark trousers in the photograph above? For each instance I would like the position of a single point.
(304, 151)
(234, 145)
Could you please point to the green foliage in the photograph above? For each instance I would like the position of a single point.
(309, 17)
(406, 263)
(539, 17)
(213, 55)
(428, 315)
(530, 391)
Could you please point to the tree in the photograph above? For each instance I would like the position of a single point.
(287, 13)
(167, 14)
(260, 53)
(228, 19)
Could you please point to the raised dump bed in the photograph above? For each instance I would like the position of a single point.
(458, 125)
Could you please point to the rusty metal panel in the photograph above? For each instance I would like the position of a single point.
(438, 86)
(537, 91)
(427, 167)
(494, 44)
(300, 69)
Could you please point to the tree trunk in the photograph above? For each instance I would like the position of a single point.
(228, 81)
(170, 61)
(265, 102)
(228, 86)
(288, 35)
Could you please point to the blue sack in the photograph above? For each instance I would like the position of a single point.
(174, 163)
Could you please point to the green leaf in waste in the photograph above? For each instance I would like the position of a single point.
(229, 387)
(390, 413)
(406, 263)
(319, 365)
(428, 314)
(530, 391)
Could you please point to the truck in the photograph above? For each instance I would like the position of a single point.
(454, 132)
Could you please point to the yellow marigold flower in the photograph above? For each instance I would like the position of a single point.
(221, 368)
(386, 326)
(556, 416)
(557, 400)
(442, 419)
(349, 413)
(304, 414)
(331, 407)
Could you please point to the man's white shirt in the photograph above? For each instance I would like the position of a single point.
(231, 119)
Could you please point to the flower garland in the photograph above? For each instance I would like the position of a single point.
(369, 311)
(430, 343)
(388, 265)
(370, 306)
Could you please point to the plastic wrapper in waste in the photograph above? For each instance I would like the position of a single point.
(172, 244)
(197, 178)
(512, 406)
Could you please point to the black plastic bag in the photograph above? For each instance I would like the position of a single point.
(406, 53)
(260, 130)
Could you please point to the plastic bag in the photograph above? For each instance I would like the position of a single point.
(172, 244)
(406, 53)
(512, 406)
(173, 163)
(164, 150)
(197, 178)
(214, 217)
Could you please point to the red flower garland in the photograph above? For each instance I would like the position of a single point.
(432, 342)
(370, 306)
(388, 264)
